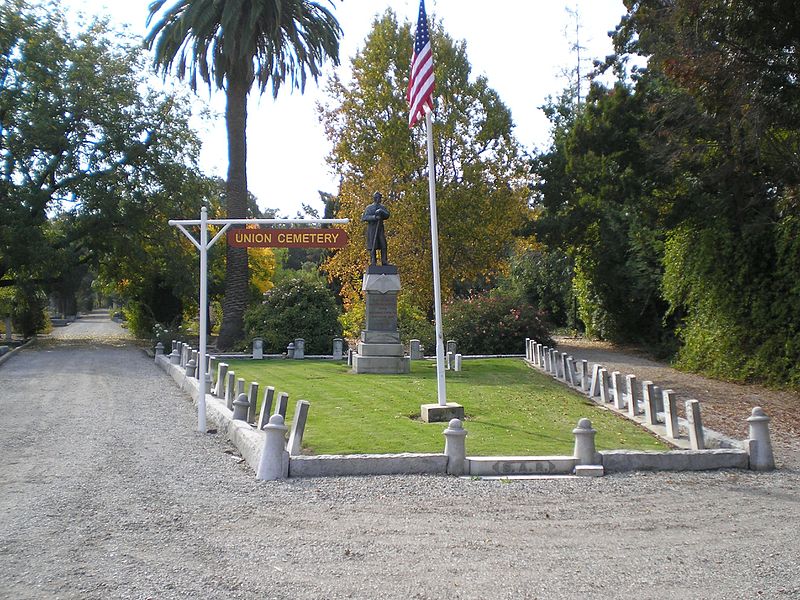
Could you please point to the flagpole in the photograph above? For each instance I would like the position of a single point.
(441, 392)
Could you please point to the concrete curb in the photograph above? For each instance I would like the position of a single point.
(8, 355)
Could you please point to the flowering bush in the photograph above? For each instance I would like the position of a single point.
(493, 324)
(295, 308)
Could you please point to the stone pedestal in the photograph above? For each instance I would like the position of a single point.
(379, 349)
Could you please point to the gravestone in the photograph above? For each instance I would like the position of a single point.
(299, 349)
(298, 427)
(379, 349)
(338, 344)
(415, 350)
(258, 348)
(266, 407)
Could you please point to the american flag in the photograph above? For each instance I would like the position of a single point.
(420, 84)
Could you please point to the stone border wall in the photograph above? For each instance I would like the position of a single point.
(270, 459)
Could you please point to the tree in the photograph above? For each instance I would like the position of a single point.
(235, 45)
(481, 194)
(83, 147)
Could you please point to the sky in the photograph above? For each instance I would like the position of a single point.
(521, 46)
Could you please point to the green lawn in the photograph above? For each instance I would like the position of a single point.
(510, 408)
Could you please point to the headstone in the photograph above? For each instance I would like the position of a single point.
(282, 404)
(230, 389)
(545, 355)
(659, 399)
(528, 349)
(553, 362)
(564, 367)
(584, 375)
(349, 357)
(671, 413)
(452, 347)
(298, 427)
(571, 378)
(457, 363)
(239, 386)
(649, 403)
(696, 437)
(266, 407)
(631, 396)
(338, 344)
(448, 364)
(537, 354)
(594, 382)
(222, 377)
(415, 350)
(605, 396)
(290, 350)
(616, 387)
(258, 348)
(299, 349)
(252, 398)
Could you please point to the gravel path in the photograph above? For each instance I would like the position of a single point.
(107, 491)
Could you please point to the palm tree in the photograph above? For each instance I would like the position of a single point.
(235, 43)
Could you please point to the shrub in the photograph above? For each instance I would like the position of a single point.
(493, 324)
(295, 308)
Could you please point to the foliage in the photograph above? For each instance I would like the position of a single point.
(94, 163)
(481, 195)
(370, 413)
(493, 324)
(235, 45)
(301, 307)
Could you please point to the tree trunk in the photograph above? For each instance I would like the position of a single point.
(236, 270)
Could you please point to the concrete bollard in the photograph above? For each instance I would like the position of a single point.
(252, 399)
(455, 447)
(458, 363)
(222, 376)
(175, 356)
(759, 446)
(159, 349)
(241, 407)
(266, 407)
(585, 452)
(274, 461)
(190, 368)
(696, 438)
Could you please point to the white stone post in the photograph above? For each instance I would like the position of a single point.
(585, 452)
(671, 413)
(298, 427)
(458, 362)
(266, 407)
(759, 445)
(571, 371)
(252, 399)
(455, 447)
(594, 383)
(649, 401)
(448, 365)
(528, 356)
(616, 384)
(602, 375)
(584, 375)
(230, 390)
(282, 404)
(222, 375)
(696, 438)
(240, 408)
(631, 396)
(274, 462)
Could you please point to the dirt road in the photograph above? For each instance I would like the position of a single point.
(108, 492)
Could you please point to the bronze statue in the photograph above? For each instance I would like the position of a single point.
(375, 214)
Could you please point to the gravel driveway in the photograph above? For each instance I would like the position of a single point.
(107, 491)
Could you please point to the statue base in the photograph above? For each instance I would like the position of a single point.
(379, 350)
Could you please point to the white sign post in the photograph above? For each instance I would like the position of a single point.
(203, 245)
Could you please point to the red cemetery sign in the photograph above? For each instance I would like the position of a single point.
(287, 238)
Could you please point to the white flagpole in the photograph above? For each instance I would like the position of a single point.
(441, 391)
(201, 400)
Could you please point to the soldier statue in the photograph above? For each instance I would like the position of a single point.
(375, 214)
